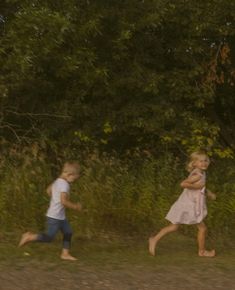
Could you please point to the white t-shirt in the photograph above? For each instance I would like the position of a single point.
(56, 210)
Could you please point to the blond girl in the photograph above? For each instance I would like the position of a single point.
(190, 208)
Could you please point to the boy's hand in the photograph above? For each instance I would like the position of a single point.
(78, 206)
(49, 190)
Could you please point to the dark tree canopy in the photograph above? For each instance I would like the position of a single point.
(119, 74)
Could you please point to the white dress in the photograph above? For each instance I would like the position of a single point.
(185, 209)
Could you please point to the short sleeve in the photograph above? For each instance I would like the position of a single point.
(62, 185)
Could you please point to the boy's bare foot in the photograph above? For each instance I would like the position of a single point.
(152, 246)
(65, 255)
(209, 254)
(68, 257)
(25, 238)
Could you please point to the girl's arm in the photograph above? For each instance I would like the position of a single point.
(192, 182)
(198, 204)
(67, 203)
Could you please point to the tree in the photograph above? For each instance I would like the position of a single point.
(120, 74)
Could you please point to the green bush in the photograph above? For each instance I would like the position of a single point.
(130, 195)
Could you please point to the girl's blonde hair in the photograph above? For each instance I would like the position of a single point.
(70, 167)
(194, 157)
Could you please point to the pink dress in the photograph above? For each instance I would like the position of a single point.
(190, 207)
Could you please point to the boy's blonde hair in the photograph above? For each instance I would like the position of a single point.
(70, 167)
(194, 157)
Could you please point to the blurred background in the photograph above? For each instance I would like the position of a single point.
(127, 88)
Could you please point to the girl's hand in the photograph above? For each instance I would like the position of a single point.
(190, 185)
(193, 182)
(211, 195)
(199, 185)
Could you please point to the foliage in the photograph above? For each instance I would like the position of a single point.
(129, 195)
(159, 73)
(144, 81)
(24, 177)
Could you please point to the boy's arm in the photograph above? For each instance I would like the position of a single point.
(48, 190)
(67, 203)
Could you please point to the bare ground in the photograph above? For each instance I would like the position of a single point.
(33, 277)
(117, 267)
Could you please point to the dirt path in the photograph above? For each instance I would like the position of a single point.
(36, 277)
(121, 265)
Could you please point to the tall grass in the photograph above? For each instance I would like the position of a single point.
(24, 176)
(128, 195)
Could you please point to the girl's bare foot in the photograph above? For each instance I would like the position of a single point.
(152, 246)
(68, 257)
(26, 237)
(205, 253)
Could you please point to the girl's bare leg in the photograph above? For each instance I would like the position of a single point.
(201, 237)
(154, 240)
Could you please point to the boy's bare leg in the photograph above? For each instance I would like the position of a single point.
(154, 240)
(26, 238)
(65, 255)
(201, 237)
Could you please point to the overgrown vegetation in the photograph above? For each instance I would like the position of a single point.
(128, 88)
(130, 195)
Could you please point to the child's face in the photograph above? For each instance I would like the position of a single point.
(202, 162)
(71, 177)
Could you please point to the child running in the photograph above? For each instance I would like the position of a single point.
(190, 208)
(56, 219)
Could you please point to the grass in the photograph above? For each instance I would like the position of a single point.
(175, 249)
(119, 263)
